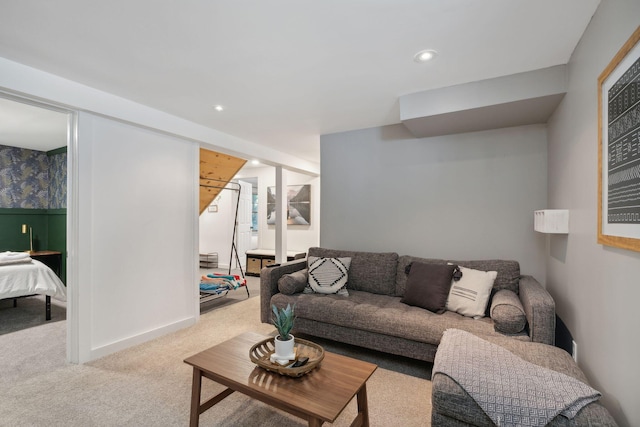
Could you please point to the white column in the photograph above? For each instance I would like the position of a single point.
(281, 215)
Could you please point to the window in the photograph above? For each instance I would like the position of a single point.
(254, 212)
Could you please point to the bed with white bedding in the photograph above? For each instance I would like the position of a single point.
(21, 276)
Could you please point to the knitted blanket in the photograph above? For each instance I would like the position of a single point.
(510, 390)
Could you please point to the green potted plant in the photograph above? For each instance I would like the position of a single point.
(283, 319)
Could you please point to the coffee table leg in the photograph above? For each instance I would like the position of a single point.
(196, 388)
(363, 407)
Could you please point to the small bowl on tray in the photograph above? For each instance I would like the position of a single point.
(260, 354)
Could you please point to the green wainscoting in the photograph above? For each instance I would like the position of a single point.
(11, 237)
(49, 227)
(57, 237)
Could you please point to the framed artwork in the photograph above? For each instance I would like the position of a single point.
(619, 148)
(298, 205)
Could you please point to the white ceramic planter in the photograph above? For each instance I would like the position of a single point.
(284, 349)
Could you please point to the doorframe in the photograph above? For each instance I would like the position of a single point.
(73, 241)
(72, 213)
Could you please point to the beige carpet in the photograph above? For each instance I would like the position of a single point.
(149, 385)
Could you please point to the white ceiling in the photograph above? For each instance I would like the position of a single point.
(287, 71)
(26, 126)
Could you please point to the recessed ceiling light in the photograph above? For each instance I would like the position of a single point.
(218, 107)
(425, 55)
(255, 162)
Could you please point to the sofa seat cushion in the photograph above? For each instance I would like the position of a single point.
(384, 315)
(369, 271)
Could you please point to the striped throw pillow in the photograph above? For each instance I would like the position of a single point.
(469, 295)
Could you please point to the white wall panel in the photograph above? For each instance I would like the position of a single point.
(138, 222)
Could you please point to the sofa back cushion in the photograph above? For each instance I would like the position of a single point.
(508, 271)
(373, 272)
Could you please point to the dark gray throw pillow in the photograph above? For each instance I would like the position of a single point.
(293, 283)
(428, 286)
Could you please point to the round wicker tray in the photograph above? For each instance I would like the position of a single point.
(261, 352)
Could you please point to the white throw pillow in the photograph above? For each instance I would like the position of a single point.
(469, 295)
(328, 275)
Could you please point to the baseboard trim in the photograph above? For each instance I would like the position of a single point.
(108, 349)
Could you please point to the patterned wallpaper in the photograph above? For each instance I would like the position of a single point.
(58, 181)
(30, 179)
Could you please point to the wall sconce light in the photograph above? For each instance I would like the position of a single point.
(551, 221)
(25, 227)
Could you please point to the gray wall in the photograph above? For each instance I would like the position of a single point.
(596, 288)
(466, 196)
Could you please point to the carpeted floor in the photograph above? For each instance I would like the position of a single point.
(149, 385)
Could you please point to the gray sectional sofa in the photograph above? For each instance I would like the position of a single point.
(373, 315)
(452, 406)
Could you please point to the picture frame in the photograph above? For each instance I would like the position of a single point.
(619, 148)
(298, 205)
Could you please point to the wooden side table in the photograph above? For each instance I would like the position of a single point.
(51, 259)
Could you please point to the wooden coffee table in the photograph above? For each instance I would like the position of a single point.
(318, 397)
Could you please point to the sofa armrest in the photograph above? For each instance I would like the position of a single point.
(540, 309)
(269, 277)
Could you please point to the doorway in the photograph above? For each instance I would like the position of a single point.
(34, 160)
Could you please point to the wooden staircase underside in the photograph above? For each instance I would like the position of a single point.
(216, 169)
